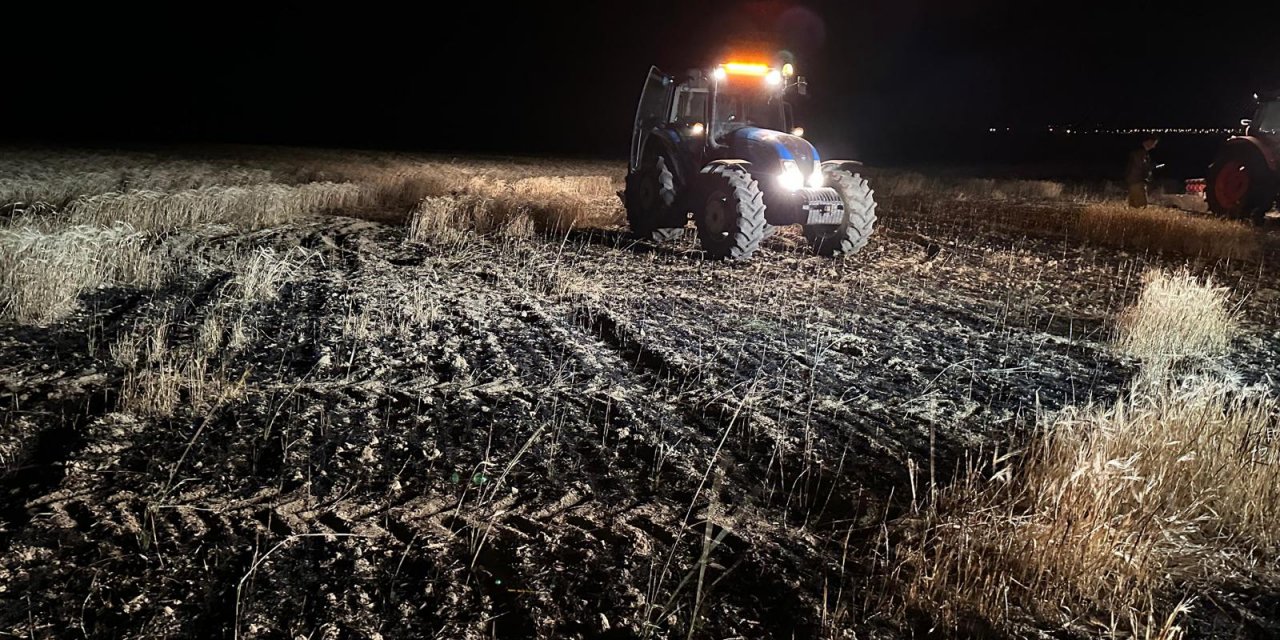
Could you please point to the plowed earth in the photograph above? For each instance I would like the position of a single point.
(561, 437)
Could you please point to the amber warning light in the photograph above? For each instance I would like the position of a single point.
(745, 69)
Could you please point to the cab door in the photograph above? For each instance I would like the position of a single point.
(655, 100)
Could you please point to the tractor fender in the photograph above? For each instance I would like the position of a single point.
(1268, 155)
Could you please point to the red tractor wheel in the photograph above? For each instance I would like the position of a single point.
(1240, 184)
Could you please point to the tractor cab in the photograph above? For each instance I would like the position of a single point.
(694, 138)
(747, 95)
(1266, 121)
(706, 106)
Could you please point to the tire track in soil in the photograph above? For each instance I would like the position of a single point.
(493, 560)
(43, 468)
(637, 529)
(77, 393)
(78, 515)
(716, 416)
(677, 385)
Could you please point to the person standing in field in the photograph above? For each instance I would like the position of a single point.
(1138, 172)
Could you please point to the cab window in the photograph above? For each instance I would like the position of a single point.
(1268, 120)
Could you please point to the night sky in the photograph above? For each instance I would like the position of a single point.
(544, 78)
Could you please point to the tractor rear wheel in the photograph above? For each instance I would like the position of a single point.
(730, 212)
(651, 191)
(1240, 185)
(850, 236)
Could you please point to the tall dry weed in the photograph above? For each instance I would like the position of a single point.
(161, 377)
(42, 274)
(1166, 231)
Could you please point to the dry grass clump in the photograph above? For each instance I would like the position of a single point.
(251, 207)
(43, 273)
(558, 204)
(394, 194)
(163, 376)
(1166, 231)
(372, 317)
(160, 378)
(44, 269)
(260, 273)
(1111, 515)
(1108, 516)
(417, 309)
(187, 175)
(58, 189)
(223, 330)
(1177, 316)
(490, 206)
(448, 219)
(585, 186)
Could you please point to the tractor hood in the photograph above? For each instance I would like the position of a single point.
(765, 149)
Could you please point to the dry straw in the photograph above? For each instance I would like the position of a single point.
(1166, 231)
(1177, 316)
(1111, 514)
(43, 273)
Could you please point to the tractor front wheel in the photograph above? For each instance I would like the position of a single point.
(730, 213)
(1240, 185)
(850, 236)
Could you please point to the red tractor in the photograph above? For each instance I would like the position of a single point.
(1244, 180)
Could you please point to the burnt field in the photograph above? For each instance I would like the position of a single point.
(311, 394)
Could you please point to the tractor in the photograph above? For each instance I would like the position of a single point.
(720, 147)
(1244, 179)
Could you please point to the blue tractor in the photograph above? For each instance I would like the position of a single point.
(720, 147)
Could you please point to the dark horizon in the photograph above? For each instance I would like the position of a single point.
(888, 79)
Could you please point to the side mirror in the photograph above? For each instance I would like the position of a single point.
(802, 87)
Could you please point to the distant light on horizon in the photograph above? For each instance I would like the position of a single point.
(1077, 130)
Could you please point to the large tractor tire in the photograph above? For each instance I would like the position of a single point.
(650, 194)
(730, 212)
(1240, 184)
(850, 236)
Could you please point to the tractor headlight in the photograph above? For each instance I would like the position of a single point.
(790, 179)
(816, 181)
